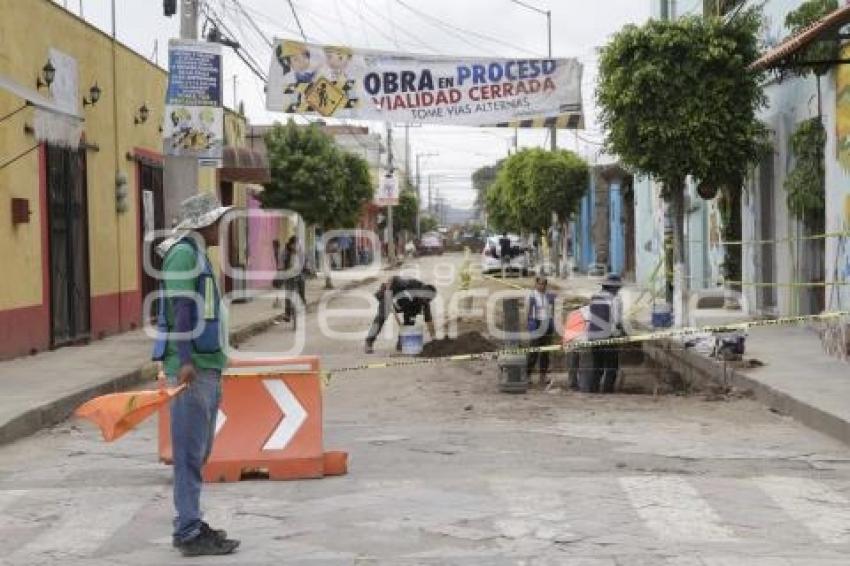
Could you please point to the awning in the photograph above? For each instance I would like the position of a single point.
(780, 54)
(51, 122)
(244, 165)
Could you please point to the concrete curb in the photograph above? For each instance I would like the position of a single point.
(59, 410)
(696, 368)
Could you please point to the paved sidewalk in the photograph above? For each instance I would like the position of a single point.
(799, 379)
(42, 390)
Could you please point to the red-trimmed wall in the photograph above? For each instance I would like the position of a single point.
(26, 330)
(105, 313)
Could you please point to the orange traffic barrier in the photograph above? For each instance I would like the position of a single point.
(269, 421)
(118, 413)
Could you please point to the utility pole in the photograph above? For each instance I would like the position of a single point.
(429, 195)
(390, 235)
(553, 138)
(180, 174)
(189, 19)
(419, 193)
(235, 104)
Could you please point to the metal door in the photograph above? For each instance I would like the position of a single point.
(68, 245)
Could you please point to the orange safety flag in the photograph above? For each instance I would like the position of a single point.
(575, 326)
(117, 413)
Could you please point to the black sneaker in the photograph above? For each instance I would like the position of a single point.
(207, 544)
(220, 533)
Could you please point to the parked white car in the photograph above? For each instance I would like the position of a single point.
(491, 259)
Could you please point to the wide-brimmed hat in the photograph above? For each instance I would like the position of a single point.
(200, 211)
(196, 212)
(612, 280)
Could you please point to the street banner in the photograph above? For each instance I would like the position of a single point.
(376, 85)
(194, 117)
(387, 193)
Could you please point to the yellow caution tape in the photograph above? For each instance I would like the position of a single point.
(777, 240)
(584, 344)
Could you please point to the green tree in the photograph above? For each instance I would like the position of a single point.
(353, 191)
(677, 98)
(313, 177)
(404, 215)
(428, 223)
(827, 48)
(533, 183)
(482, 178)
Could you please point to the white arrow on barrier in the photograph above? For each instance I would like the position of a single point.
(293, 417)
(220, 419)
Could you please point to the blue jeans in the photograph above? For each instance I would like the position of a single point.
(193, 415)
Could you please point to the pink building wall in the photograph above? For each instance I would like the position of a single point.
(263, 228)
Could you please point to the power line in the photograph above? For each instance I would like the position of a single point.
(442, 27)
(417, 39)
(269, 19)
(253, 23)
(467, 31)
(297, 21)
(213, 16)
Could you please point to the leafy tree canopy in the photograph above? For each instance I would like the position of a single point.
(677, 98)
(533, 183)
(428, 223)
(482, 178)
(312, 176)
(405, 213)
(825, 49)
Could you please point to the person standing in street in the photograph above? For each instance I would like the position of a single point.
(292, 264)
(541, 323)
(189, 345)
(606, 321)
(505, 252)
(404, 295)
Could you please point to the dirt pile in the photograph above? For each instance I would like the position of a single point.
(466, 343)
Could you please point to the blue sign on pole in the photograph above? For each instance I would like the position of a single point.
(194, 121)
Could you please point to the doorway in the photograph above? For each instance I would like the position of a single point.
(67, 219)
(151, 218)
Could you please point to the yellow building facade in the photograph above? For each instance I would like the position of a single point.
(73, 219)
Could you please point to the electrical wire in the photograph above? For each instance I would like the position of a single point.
(253, 23)
(269, 19)
(485, 37)
(442, 27)
(246, 57)
(419, 41)
(297, 21)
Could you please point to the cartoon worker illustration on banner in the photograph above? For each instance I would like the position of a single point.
(338, 81)
(315, 80)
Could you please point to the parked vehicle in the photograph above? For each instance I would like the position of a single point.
(519, 262)
(431, 243)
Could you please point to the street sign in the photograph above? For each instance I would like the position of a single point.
(387, 194)
(194, 117)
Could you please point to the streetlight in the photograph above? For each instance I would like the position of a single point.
(548, 14)
(419, 191)
(553, 142)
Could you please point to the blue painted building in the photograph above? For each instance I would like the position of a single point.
(603, 230)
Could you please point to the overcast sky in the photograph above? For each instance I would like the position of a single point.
(578, 28)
